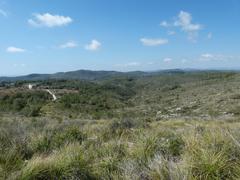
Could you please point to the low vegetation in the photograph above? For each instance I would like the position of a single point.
(167, 126)
(177, 149)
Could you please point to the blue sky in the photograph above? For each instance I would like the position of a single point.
(50, 35)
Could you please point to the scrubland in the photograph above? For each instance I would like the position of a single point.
(121, 149)
(170, 126)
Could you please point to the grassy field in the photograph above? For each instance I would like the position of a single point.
(121, 149)
(168, 126)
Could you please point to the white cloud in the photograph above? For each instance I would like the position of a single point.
(184, 21)
(153, 42)
(93, 46)
(3, 13)
(70, 44)
(13, 49)
(209, 36)
(165, 24)
(133, 64)
(167, 60)
(49, 20)
(217, 57)
(207, 56)
(150, 63)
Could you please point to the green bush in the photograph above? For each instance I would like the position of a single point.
(67, 163)
(210, 165)
(32, 111)
(125, 123)
(26, 103)
(167, 144)
(13, 152)
(54, 139)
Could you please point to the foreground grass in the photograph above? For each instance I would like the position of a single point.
(120, 149)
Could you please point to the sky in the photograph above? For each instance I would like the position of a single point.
(50, 36)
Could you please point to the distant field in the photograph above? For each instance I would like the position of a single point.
(172, 125)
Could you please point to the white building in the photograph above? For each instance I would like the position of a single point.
(30, 86)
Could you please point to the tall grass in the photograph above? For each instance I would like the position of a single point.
(119, 150)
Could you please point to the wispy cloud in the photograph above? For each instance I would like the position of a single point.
(3, 13)
(93, 45)
(165, 24)
(150, 63)
(13, 49)
(19, 65)
(167, 60)
(129, 64)
(70, 44)
(153, 42)
(170, 33)
(217, 57)
(184, 21)
(133, 64)
(49, 20)
(207, 56)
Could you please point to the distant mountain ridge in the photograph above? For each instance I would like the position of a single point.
(79, 75)
(93, 75)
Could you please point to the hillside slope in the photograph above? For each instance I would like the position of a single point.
(202, 95)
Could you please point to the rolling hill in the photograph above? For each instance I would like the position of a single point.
(93, 75)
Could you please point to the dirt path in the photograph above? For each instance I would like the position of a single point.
(52, 94)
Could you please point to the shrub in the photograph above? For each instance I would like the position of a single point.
(169, 146)
(161, 168)
(10, 161)
(212, 155)
(211, 165)
(18, 104)
(55, 139)
(67, 163)
(11, 154)
(108, 158)
(123, 124)
(32, 111)
(25, 103)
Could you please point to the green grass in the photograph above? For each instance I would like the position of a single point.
(170, 126)
(174, 149)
